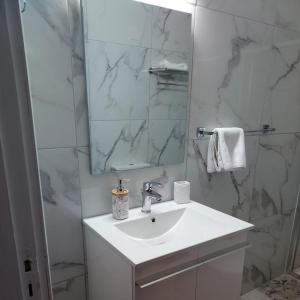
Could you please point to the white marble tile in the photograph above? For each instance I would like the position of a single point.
(48, 52)
(236, 62)
(118, 82)
(256, 294)
(171, 30)
(96, 190)
(71, 289)
(230, 71)
(259, 10)
(116, 143)
(284, 98)
(233, 193)
(166, 142)
(168, 101)
(277, 176)
(266, 258)
(203, 3)
(286, 286)
(287, 14)
(283, 287)
(283, 14)
(78, 73)
(255, 272)
(121, 21)
(62, 207)
(228, 192)
(272, 207)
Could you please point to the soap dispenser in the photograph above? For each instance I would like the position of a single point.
(120, 201)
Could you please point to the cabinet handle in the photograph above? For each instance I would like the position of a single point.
(199, 264)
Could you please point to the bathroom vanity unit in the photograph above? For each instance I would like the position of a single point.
(179, 251)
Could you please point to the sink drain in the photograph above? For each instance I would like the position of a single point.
(153, 220)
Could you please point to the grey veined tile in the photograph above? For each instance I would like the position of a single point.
(280, 13)
(256, 294)
(78, 73)
(62, 207)
(171, 30)
(272, 207)
(128, 21)
(230, 71)
(71, 289)
(284, 91)
(166, 142)
(259, 10)
(48, 53)
(287, 14)
(277, 176)
(118, 143)
(229, 192)
(118, 81)
(266, 257)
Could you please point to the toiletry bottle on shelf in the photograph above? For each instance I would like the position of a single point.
(120, 201)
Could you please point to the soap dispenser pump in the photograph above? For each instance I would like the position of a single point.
(120, 201)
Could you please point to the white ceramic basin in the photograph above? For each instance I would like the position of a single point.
(176, 227)
(152, 226)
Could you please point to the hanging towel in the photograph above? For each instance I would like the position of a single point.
(226, 150)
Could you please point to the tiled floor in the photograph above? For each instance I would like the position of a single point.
(257, 294)
(297, 271)
(285, 287)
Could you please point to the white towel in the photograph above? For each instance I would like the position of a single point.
(174, 66)
(226, 150)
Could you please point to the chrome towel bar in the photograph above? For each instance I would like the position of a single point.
(202, 132)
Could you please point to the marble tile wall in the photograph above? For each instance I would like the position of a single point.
(54, 58)
(122, 95)
(279, 13)
(54, 51)
(71, 289)
(50, 83)
(246, 73)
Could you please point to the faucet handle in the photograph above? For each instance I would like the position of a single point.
(149, 185)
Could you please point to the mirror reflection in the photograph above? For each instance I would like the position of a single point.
(137, 70)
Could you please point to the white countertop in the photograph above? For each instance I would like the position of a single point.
(198, 224)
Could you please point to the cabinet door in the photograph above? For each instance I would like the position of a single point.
(180, 287)
(221, 278)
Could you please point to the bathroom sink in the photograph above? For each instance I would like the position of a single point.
(169, 228)
(152, 226)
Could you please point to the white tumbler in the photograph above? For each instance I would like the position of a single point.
(182, 192)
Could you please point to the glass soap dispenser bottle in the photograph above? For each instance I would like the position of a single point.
(120, 201)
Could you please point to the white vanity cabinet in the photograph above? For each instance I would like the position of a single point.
(178, 252)
(182, 286)
(214, 280)
(221, 278)
(206, 272)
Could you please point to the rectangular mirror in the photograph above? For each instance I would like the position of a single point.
(137, 60)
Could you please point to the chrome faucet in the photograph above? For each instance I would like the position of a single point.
(149, 195)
